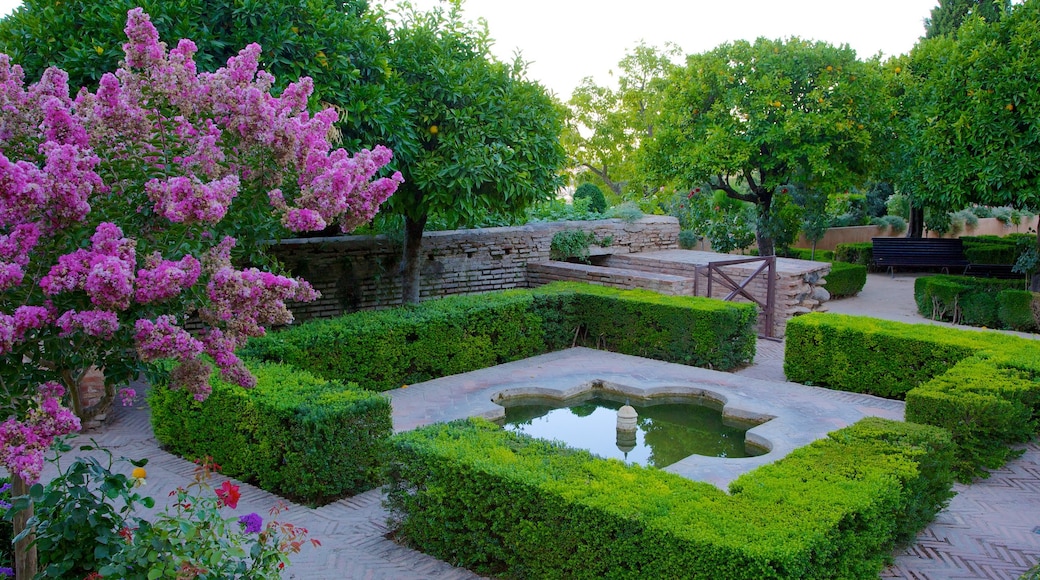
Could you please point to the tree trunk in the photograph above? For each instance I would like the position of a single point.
(764, 209)
(25, 562)
(916, 226)
(1034, 280)
(413, 233)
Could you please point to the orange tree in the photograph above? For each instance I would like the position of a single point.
(478, 137)
(752, 119)
(974, 114)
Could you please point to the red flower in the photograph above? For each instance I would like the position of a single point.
(228, 494)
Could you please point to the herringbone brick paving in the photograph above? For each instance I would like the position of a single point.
(990, 529)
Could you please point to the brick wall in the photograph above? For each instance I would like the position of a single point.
(360, 272)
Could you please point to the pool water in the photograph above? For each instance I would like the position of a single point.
(666, 432)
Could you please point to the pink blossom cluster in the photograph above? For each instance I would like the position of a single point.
(183, 199)
(23, 443)
(166, 279)
(105, 272)
(184, 154)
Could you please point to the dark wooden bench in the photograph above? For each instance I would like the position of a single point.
(992, 271)
(892, 253)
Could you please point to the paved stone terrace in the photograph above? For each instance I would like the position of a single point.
(990, 530)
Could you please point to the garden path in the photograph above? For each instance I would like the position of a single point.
(991, 529)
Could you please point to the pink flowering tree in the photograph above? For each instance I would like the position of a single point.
(133, 223)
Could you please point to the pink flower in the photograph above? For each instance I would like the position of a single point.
(97, 323)
(143, 49)
(23, 443)
(167, 279)
(163, 338)
(228, 495)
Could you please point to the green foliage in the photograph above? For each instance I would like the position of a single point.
(972, 123)
(878, 195)
(86, 501)
(688, 239)
(1015, 310)
(982, 387)
(861, 253)
(848, 209)
(571, 244)
(594, 195)
(898, 205)
(773, 113)
(948, 16)
(727, 224)
(991, 253)
(302, 437)
(607, 126)
(194, 536)
(971, 301)
(507, 505)
(627, 212)
(340, 44)
(895, 224)
(688, 330)
(382, 350)
(845, 279)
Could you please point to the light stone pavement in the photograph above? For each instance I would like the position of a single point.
(991, 529)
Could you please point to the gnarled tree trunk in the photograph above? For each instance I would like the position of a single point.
(410, 264)
(25, 561)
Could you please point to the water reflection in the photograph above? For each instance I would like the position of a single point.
(667, 430)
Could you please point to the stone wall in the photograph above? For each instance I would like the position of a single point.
(799, 283)
(361, 272)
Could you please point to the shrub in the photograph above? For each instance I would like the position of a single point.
(991, 253)
(297, 435)
(895, 224)
(1015, 310)
(385, 349)
(983, 387)
(845, 279)
(628, 212)
(504, 504)
(805, 254)
(688, 239)
(592, 192)
(964, 299)
(571, 244)
(858, 253)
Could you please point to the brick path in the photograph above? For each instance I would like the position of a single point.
(990, 530)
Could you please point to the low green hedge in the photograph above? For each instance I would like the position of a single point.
(302, 437)
(991, 254)
(808, 254)
(507, 505)
(988, 302)
(983, 387)
(385, 349)
(861, 253)
(846, 279)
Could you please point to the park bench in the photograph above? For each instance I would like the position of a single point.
(946, 254)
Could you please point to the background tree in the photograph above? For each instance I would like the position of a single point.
(594, 195)
(340, 44)
(976, 113)
(608, 126)
(478, 136)
(945, 19)
(948, 16)
(751, 119)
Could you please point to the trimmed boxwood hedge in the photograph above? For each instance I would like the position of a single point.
(297, 435)
(983, 387)
(861, 253)
(988, 302)
(845, 279)
(382, 350)
(504, 504)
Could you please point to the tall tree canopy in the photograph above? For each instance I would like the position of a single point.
(975, 114)
(947, 17)
(478, 137)
(752, 119)
(341, 44)
(607, 126)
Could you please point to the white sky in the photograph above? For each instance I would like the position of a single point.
(566, 40)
